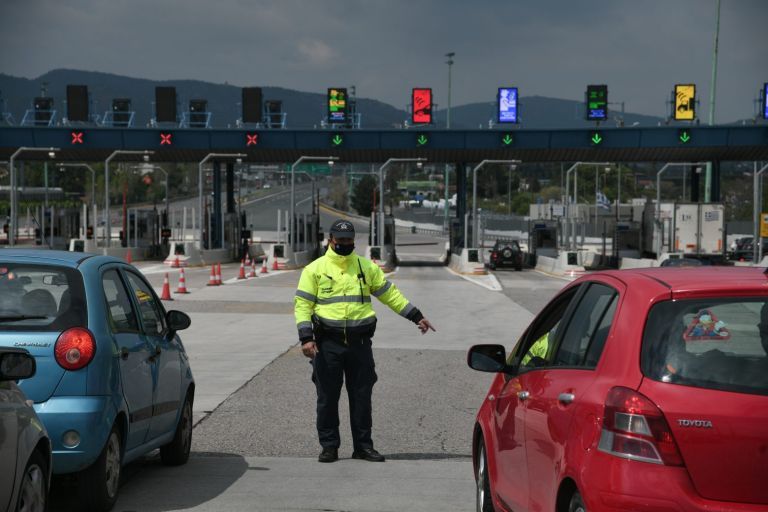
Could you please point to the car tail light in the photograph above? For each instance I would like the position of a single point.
(635, 428)
(74, 348)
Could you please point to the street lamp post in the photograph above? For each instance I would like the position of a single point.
(200, 215)
(658, 194)
(14, 214)
(757, 191)
(291, 221)
(107, 219)
(93, 190)
(381, 193)
(450, 65)
(597, 188)
(475, 223)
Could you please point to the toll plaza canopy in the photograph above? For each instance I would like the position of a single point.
(667, 143)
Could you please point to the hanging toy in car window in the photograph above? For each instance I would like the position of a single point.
(706, 327)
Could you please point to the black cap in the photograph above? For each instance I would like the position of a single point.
(342, 229)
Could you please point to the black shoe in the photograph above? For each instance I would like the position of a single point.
(328, 455)
(368, 454)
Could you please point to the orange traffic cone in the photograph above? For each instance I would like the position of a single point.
(166, 294)
(253, 269)
(218, 274)
(176, 263)
(212, 278)
(264, 266)
(128, 258)
(182, 283)
(241, 274)
(274, 264)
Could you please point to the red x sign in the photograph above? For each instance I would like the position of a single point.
(77, 137)
(252, 139)
(165, 139)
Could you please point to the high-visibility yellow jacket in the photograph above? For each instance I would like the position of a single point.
(335, 292)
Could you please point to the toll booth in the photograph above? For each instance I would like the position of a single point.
(542, 239)
(385, 253)
(627, 240)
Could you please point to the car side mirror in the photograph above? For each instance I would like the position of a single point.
(177, 321)
(487, 358)
(17, 365)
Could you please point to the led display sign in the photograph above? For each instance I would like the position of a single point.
(597, 102)
(507, 102)
(337, 105)
(685, 102)
(765, 101)
(422, 106)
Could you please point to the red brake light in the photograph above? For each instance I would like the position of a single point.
(74, 348)
(635, 428)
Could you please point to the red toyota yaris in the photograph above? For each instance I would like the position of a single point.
(641, 390)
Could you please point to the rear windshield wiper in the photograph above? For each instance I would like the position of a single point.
(16, 318)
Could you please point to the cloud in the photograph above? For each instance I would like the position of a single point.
(315, 52)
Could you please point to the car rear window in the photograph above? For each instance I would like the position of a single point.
(40, 298)
(715, 344)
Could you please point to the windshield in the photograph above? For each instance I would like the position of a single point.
(40, 298)
(714, 343)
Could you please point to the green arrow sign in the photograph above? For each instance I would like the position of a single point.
(596, 139)
(684, 136)
(337, 140)
(422, 140)
(507, 139)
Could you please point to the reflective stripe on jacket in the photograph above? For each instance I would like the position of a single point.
(337, 291)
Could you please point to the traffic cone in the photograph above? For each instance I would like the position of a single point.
(182, 283)
(241, 274)
(128, 258)
(212, 278)
(166, 294)
(176, 263)
(253, 269)
(264, 266)
(218, 274)
(274, 264)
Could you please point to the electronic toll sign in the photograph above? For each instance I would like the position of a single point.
(765, 101)
(337, 105)
(421, 100)
(597, 102)
(507, 102)
(685, 102)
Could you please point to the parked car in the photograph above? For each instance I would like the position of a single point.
(113, 380)
(25, 449)
(745, 249)
(506, 254)
(640, 390)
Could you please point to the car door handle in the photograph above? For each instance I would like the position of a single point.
(523, 395)
(566, 398)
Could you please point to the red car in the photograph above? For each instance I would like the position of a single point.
(634, 390)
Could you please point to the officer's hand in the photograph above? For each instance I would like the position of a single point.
(424, 326)
(310, 349)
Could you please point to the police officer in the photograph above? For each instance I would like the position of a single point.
(336, 322)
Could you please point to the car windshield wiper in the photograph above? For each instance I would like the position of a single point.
(16, 318)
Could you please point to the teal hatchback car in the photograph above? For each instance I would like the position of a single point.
(113, 378)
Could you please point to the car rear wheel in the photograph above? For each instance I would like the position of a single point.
(483, 494)
(577, 503)
(99, 484)
(33, 494)
(176, 452)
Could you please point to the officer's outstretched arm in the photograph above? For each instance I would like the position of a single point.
(384, 290)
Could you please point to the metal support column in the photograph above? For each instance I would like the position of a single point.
(216, 207)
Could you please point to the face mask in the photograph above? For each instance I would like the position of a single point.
(343, 250)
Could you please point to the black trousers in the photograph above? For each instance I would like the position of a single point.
(332, 365)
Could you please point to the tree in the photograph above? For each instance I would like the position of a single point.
(362, 201)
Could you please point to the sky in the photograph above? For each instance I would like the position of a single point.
(554, 48)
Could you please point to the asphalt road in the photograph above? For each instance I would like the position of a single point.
(254, 444)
